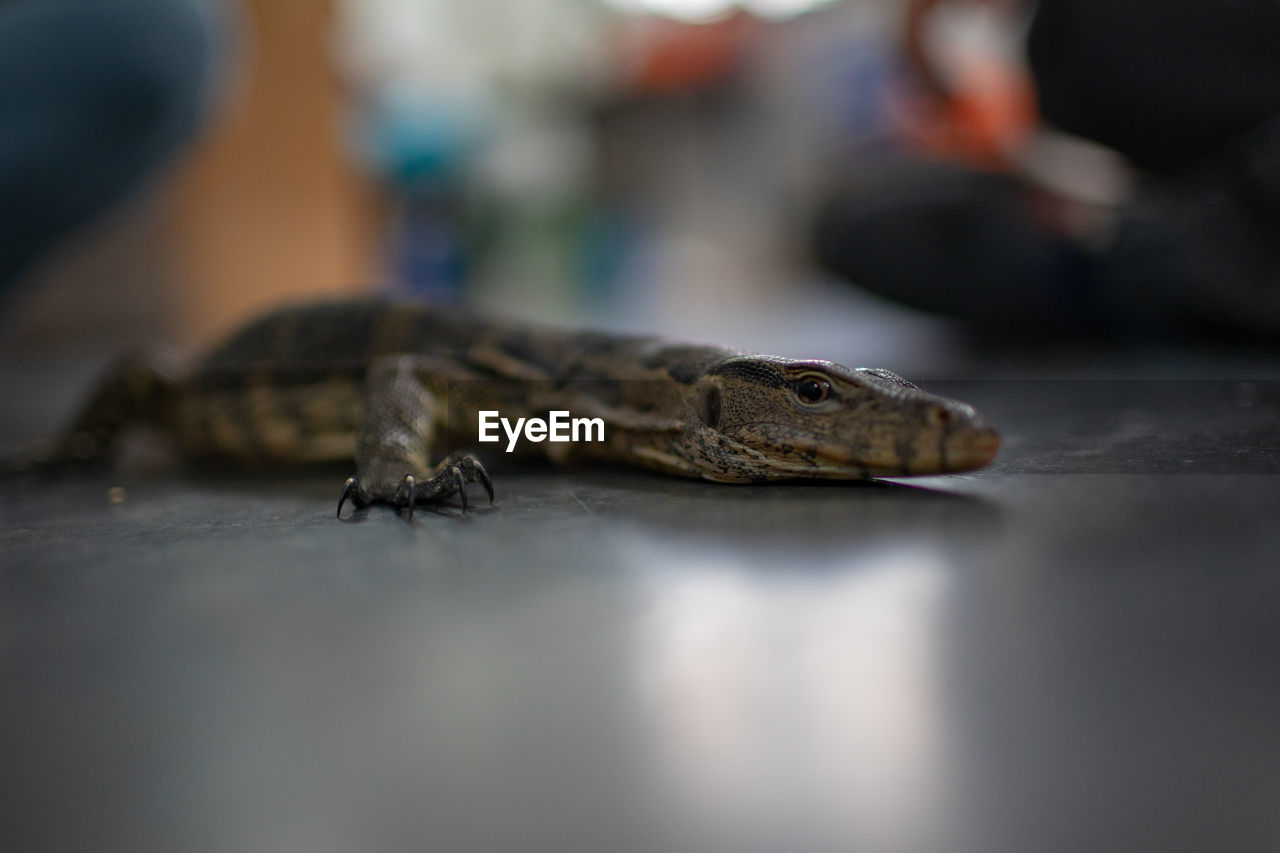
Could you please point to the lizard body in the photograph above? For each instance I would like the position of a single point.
(396, 386)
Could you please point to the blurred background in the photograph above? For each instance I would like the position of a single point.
(648, 164)
(695, 167)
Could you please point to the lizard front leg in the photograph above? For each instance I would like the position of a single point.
(404, 405)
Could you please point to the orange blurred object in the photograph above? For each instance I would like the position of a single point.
(675, 56)
(991, 114)
(269, 208)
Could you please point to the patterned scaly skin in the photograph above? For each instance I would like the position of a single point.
(396, 387)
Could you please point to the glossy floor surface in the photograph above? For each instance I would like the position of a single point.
(1076, 649)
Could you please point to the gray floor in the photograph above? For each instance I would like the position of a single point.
(1077, 649)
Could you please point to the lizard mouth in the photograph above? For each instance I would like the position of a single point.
(967, 449)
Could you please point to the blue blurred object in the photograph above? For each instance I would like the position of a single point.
(427, 247)
(854, 76)
(422, 145)
(95, 95)
(417, 141)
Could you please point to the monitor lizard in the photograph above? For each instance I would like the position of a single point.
(396, 387)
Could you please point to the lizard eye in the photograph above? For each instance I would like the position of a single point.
(813, 389)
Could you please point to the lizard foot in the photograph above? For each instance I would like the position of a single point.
(448, 478)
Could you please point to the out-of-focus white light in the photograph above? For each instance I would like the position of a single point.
(693, 11)
(783, 9)
(696, 11)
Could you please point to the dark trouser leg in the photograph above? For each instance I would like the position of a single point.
(958, 242)
(1198, 254)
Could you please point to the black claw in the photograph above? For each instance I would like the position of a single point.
(409, 483)
(352, 484)
(461, 484)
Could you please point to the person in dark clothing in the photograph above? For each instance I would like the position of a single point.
(95, 96)
(1189, 94)
(1166, 83)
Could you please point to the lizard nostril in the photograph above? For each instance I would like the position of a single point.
(937, 416)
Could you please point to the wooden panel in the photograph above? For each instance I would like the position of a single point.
(268, 208)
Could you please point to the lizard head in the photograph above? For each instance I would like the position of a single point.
(762, 417)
